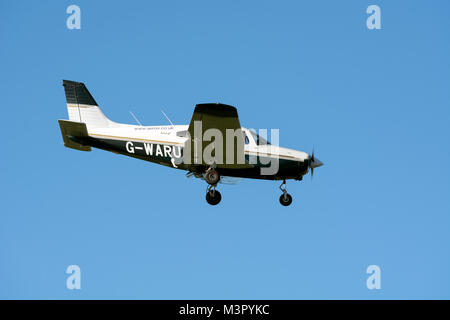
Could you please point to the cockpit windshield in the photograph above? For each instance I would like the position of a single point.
(260, 141)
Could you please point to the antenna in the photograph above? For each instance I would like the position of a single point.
(165, 115)
(137, 120)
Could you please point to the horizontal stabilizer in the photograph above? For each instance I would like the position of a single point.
(73, 133)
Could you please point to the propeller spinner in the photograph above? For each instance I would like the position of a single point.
(314, 163)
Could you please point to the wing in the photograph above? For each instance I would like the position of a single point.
(223, 179)
(215, 136)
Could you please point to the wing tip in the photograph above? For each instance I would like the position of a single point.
(217, 108)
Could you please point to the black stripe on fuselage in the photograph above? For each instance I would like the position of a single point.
(167, 154)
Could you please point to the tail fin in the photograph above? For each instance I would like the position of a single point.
(82, 107)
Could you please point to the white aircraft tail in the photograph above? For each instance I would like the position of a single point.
(82, 107)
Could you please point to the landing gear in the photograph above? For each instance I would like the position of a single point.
(212, 176)
(285, 198)
(213, 196)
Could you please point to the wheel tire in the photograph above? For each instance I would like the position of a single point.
(212, 177)
(213, 197)
(285, 202)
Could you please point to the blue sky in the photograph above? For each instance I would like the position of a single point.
(374, 103)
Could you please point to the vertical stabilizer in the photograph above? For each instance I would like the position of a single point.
(82, 107)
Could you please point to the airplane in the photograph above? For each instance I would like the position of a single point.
(248, 155)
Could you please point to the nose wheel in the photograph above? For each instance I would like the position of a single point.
(213, 196)
(285, 198)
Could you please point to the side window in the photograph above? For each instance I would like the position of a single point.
(246, 139)
(260, 141)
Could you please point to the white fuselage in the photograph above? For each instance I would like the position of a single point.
(173, 135)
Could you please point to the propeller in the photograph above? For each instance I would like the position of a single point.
(314, 163)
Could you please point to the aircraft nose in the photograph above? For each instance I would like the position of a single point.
(315, 163)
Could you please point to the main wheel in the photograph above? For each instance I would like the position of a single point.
(285, 199)
(213, 197)
(212, 176)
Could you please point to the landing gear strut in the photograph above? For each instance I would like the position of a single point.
(285, 198)
(213, 196)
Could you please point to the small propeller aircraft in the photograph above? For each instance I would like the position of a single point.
(248, 155)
